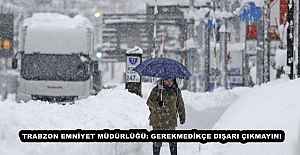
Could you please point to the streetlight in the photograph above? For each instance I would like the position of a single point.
(97, 14)
(99, 55)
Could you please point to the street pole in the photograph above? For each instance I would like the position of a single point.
(207, 58)
(267, 45)
(226, 57)
(297, 14)
(215, 47)
(155, 12)
(245, 83)
(290, 38)
(263, 49)
(295, 37)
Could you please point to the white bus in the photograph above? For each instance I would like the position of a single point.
(57, 59)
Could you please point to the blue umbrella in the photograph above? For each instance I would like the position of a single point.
(163, 68)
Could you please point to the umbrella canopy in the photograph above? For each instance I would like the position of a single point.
(163, 68)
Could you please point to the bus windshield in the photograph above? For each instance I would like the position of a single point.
(52, 67)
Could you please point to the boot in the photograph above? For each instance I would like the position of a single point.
(156, 148)
(173, 148)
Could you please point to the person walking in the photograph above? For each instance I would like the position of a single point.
(165, 104)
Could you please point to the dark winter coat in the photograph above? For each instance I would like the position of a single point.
(163, 115)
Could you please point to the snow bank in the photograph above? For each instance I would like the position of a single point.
(114, 108)
(271, 106)
(218, 98)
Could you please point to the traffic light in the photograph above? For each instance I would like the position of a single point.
(6, 44)
(6, 35)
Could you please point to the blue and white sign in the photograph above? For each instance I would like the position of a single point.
(132, 62)
(251, 13)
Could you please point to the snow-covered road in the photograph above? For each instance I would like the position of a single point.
(112, 108)
(116, 108)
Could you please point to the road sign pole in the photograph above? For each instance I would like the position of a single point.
(290, 39)
(133, 79)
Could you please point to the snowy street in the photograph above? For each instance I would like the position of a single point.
(222, 72)
(99, 112)
(244, 109)
(205, 111)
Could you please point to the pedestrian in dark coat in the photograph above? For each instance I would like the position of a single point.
(165, 104)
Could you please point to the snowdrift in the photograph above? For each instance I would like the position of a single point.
(112, 108)
(271, 106)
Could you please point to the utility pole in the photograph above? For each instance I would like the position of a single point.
(217, 64)
(260, 53)
(209, 28)
(290, 38)
(267, 41)
(155, 14)
(244, 62)
(224, 54)
(295, 37)
(207, 58)
(297, 14)
(226, 57)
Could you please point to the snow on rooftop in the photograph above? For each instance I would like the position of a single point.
(177, 2)
(126, 20)
(56, 20)
(168, 2)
